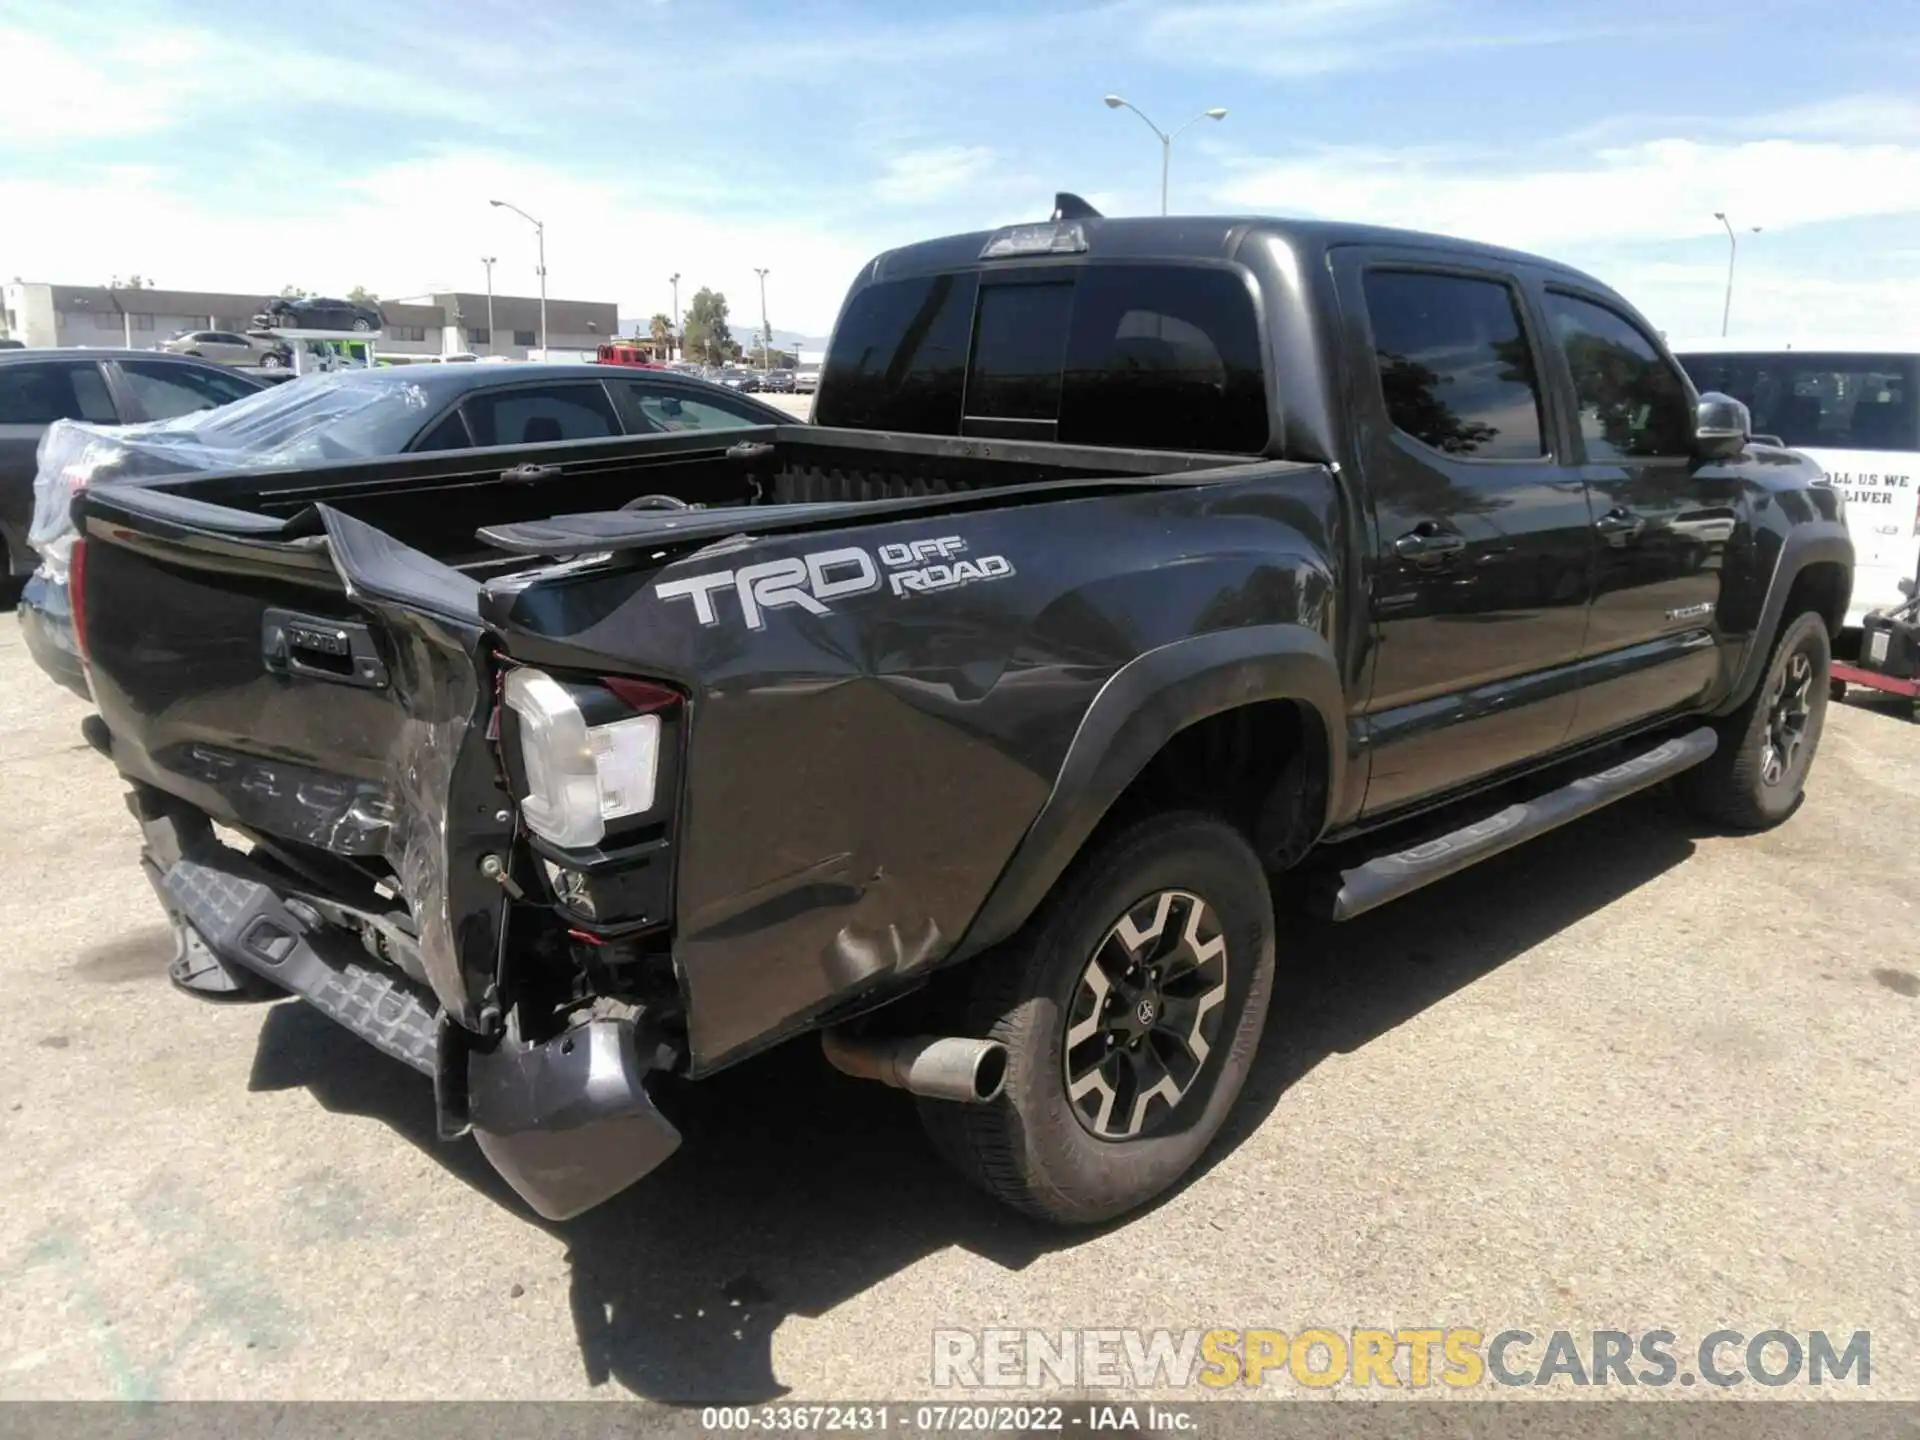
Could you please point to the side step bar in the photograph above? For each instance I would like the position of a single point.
(1388, 877)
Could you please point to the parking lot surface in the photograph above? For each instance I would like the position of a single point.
(1631, 1076)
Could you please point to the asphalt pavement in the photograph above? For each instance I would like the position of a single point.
(1632, 1076)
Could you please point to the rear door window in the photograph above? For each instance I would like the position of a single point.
(1842, 402)
(41, 394)
(669, 410)
(542, 415)
(1455, 369)
(449, 434)
(163, 391)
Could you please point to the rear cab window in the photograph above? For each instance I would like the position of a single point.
(1155, 356)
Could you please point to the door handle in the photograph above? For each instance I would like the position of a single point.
(1427, 544)
(1618, 523)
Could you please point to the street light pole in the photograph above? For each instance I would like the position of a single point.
(674, 328)
(766, 334)
(1733, 250)
(1115, 102)
(489, 261)
(540, 240)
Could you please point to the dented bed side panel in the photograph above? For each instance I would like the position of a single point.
(878, 712)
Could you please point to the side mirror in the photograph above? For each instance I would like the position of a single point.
(1721, 426)
(1906, 588)
(670, 405)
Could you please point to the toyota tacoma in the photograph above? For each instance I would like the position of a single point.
(1132, 563)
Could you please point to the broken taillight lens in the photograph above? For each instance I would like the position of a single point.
(590, 753)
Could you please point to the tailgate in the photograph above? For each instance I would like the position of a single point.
(309, 681)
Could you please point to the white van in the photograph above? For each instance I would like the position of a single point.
(1853, 406)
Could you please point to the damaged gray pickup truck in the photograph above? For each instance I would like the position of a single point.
(1133, 562)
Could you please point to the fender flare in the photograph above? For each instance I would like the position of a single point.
(1143, 705)
(1814, 544)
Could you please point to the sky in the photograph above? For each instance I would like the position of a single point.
(229, 145)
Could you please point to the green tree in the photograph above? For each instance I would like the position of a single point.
(706, 335)
(661, 329)
(293, 292)
(360, 295)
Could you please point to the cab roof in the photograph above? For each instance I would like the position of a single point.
(1193, 237)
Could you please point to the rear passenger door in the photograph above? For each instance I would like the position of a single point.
(1662, 517)
(1481, 537)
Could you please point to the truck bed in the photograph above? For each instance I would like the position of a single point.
(310, 657)
(462, 508)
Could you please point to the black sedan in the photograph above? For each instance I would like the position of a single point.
(316, 312)
(359, 414)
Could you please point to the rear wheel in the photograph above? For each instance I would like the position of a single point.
(1130, 1007)
(362, 324)
(1757, 776)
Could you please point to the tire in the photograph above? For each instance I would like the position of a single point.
(1754, 781)
(1036, 1146)
(362, 325)
(269, 361)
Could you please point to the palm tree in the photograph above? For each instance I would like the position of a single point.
(662, 330)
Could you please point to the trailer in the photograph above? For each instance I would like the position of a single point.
(1889, 659)
(316, 351)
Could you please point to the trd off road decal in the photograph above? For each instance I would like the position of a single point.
(910, 567)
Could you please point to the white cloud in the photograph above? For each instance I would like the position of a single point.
(57, 93)
(1302, 38)
(1659, 190)
(406, 229)
(920, 177)
(1770, 303)
(96, 84)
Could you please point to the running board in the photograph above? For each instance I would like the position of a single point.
(1388, 877)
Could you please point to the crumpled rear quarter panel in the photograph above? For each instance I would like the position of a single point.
(857, 779)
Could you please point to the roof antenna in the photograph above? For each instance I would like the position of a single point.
(1068, 206)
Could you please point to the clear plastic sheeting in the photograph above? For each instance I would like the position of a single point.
(347, 415)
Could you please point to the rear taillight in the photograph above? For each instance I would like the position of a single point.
(77, 595)
(583, 769)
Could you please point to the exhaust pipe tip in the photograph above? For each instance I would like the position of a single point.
(956, 1068)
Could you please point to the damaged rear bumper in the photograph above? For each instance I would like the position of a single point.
(567, 1122)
